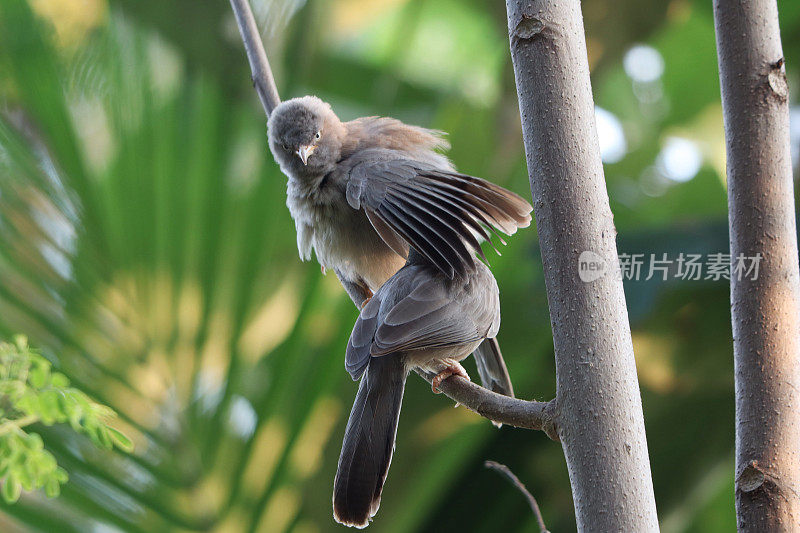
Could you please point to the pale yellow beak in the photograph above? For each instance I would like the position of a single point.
(305, 152)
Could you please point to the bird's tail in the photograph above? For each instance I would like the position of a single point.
(492, 367)
(369, 442)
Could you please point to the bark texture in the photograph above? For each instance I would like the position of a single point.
(765, 311)
(526, 414)
(598, 406)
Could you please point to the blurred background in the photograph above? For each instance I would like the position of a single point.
(145, 248)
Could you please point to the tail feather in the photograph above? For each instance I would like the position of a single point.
(369, 442)
(492, 368)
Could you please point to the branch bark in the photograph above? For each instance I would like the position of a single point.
(498, 408)
(263, 81)
(600, 421)
(765, 311)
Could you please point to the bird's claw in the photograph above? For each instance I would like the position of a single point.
(453, 369)
(369, 294)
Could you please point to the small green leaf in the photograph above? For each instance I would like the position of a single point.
(47, 461)
(52, 488)
(61, 475)
(35, 442)
(21, 341)
(59, 380)
(28, 404)
(12, 445)
(25, 477)
(104, 437)
(38, 376)
(120, 439)
(11, 489)
(51, 408)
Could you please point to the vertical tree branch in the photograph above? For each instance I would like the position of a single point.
(256, 55)
(765, 311)
(598, 405)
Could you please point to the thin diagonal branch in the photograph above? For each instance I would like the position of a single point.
(13, 425)
(505, 471)
(256, 55)
(498, 408)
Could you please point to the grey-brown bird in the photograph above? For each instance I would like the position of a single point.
(420, 318)
(363, 192)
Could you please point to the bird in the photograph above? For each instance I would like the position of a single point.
(363, 193)
(419, 319)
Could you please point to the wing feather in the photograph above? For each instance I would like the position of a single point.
(461, 225)
(438, 221)
(438, 251)
(440, 213)
(358, 347)
(397, 243)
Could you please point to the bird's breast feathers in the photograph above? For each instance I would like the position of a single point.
(313, 209)
(341, 237)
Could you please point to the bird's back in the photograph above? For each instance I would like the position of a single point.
(420, 144)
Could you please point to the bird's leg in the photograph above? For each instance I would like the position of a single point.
(367, 299)
(357, 290)
(453, 368)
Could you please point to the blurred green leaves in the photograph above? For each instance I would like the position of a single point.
(145, 248)
(31, 393)
(447, 45)
(152, 270)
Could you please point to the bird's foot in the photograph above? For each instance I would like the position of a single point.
(453, 368)
(370, 294)
(322, 269)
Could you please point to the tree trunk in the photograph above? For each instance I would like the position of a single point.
(598, 405)
(764, 308)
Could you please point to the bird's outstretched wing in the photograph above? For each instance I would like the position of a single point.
(416, 310)
(439, 213)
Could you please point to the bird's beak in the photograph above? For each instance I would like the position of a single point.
(305, 152)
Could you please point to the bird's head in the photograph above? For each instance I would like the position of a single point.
(305, 136)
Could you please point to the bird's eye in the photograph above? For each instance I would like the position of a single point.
(286, 147)
(318, 135)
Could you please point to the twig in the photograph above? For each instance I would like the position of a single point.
(505, 471)
(14, 425)
(256, 55)
(499, 408)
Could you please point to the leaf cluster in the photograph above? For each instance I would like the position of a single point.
(31, 392)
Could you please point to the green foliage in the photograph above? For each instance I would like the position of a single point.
(146, 248)
(30, 393)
